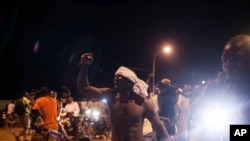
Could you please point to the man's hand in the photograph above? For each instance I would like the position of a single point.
(165, 119)
(86, 59)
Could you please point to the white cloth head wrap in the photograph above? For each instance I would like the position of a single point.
(139, 87)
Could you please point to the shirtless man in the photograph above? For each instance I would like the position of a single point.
(127, 103)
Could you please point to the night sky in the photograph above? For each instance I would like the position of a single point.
(42, 41)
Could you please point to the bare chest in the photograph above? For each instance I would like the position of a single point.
(127, 112)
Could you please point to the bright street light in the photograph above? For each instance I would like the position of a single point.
(167, 50)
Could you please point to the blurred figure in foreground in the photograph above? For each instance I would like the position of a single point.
(230, 96)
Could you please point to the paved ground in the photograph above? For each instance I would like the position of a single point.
(7, 135)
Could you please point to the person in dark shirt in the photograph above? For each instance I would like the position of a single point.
(167, 102)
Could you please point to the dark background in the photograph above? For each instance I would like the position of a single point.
(42, 41)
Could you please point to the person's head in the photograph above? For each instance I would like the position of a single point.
(13, 101)
(164, 83)
(53, 94)
(45, 91)
(65, 92)
(236, 56)
(37, 94)
(25, 93)
(70, 99)
(126, 80)
(32, 92)
(122, 83)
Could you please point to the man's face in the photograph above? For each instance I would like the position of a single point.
(233, 61)
(53, 94)
(26, 94)
(121, 83)
(236, 57)
(70, 99)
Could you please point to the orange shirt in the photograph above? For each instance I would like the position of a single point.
(48, 106)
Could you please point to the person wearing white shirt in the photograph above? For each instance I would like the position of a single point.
(11, 107)
(10, 111)
(72, 110)
(72, 107)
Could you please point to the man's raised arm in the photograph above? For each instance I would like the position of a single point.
(82, 79)
(83, 86)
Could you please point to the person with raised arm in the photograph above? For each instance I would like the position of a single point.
(127, 102)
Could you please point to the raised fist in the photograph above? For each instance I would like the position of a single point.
(86, 58)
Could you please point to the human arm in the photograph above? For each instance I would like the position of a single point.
(155, 121)
(83, 86)
(150, 77)
(149, 81)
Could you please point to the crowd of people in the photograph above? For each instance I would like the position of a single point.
(163, 113)
(160, 114)
(129, 99)
(42, 110)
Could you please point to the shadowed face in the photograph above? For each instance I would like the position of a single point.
(235, 56)
(122, 83)
(70, 99)
(53, 94)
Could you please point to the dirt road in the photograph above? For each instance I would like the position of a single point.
(7, 135)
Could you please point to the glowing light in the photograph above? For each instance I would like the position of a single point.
(96, 113)
(36, 47)
(215, 118)
(104, 100)
(88, 111)
(167, 49)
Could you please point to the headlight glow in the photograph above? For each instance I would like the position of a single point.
(88, 111)
(215, 117)
(96, 113)
(104, 100)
